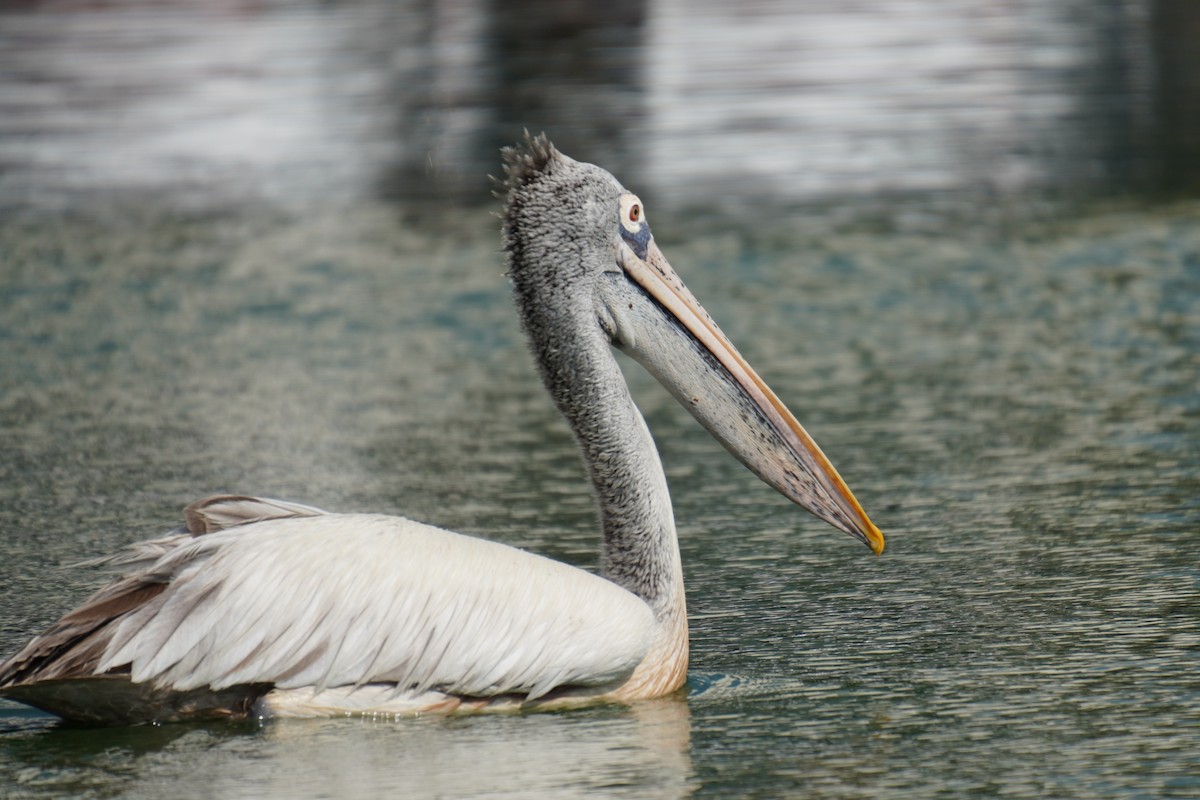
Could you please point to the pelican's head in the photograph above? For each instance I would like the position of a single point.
(583, 260)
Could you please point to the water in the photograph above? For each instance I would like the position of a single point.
(1009, 387)
(1018, 412)
(300, 103)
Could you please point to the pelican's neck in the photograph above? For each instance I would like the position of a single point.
(641, 550)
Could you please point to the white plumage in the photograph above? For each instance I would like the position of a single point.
(429, 608)
(267, 607)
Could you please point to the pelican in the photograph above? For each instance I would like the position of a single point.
(260, 608)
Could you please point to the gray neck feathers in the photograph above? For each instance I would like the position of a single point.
(640, 551)
(558, 234)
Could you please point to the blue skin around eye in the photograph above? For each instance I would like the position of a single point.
(639, 240)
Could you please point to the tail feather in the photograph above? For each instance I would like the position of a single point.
(74, 645)
(59, 669)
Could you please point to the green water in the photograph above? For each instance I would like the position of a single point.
(1016, 406)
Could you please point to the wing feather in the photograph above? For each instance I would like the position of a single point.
(346, 600)
(222, 512)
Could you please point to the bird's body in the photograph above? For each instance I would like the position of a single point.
(494, 625)
(263, 607)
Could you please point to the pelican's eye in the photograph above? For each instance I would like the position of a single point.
(634, 228)
(632, 214)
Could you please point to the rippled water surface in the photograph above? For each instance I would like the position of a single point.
(1018, 410)
(219, 272)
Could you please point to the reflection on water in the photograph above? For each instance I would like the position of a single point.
(225, 304)
(298, 103)
(636, 752)
(853, 98)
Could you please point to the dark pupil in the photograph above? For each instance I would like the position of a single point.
(634, 213)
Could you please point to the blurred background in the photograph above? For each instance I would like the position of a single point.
(251, 247)
(703, 103)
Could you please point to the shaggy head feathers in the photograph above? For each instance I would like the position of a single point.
(523, 164)
(559, 215)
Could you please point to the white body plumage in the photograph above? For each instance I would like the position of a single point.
(268, 607)
(429, 609)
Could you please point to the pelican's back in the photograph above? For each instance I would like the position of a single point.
(261, 600)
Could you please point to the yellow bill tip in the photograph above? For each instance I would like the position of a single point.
(874, 539)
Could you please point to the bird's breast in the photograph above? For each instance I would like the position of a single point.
(664, 669)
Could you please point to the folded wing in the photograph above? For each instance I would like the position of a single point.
(296, 598)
